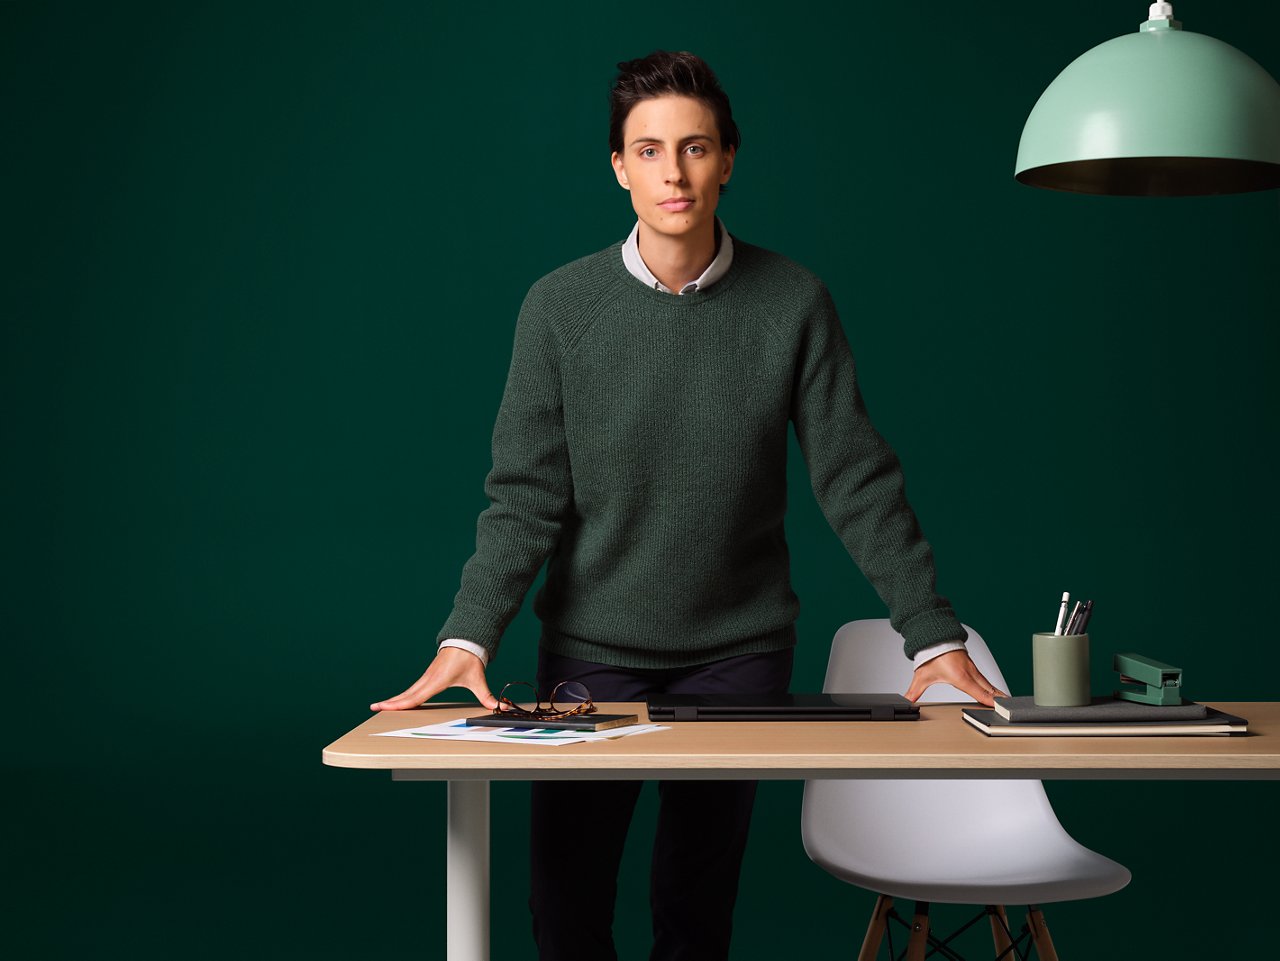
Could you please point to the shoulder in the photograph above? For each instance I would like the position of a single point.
(795, 295)
(760, 262)
(567, 299)
(776, 277)
(587, 273)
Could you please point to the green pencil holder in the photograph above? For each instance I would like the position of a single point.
(1060, 669)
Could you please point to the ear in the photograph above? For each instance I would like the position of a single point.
(619, 170)
(727, 172)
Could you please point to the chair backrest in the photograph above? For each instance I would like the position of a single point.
(876, 827)
(866, 657)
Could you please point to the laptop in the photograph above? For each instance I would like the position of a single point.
(781, 707)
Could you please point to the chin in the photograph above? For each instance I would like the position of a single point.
(680, 225)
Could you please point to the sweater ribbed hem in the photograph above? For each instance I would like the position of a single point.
(583, 649)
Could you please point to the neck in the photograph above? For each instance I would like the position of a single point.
(677, 260)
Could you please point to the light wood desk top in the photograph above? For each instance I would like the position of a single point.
(939, 745)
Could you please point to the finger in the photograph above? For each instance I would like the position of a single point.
(401, 702)
(484, 695)
(919, 684)
(470, 674)
(980, 690)
(986, 685)
(982, 696)
(479, 686)
(433, 681)
(995, 691)
(411, 698)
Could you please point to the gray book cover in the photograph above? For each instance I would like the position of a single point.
(1105, 709)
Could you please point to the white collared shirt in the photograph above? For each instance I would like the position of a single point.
(715, 270)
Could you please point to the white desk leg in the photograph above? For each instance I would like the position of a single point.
(467, 873)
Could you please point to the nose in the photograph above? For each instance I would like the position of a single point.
(675, 172)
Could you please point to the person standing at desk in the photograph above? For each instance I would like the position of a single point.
(640, 451)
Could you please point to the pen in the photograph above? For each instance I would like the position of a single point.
(1074, 619)
(1084, 617)
(1062, 613)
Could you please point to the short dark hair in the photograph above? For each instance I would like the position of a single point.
(661, 74)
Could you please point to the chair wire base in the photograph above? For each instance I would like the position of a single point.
(942, 947)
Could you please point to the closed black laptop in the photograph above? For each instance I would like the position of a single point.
(781, 707)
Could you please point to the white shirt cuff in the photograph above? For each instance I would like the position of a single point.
(933, 650)
(471, 646)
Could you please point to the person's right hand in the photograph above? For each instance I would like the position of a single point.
(452, 667)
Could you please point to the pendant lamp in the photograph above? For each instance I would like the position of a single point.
(1163, 112)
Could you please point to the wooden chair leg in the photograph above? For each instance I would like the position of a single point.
(875, 930)
(1000, 930)
(1040, 935)
(919, 939)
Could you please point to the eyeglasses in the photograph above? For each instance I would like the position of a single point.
(567, 699)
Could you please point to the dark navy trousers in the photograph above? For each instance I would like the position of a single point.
(579, 827)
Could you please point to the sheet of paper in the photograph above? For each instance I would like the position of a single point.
(459, 730)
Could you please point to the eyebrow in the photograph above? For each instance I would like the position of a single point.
(684, 139)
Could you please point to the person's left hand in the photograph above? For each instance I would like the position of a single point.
(958, 670)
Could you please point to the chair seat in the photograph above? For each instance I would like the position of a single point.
(952, 842)
(939, 840)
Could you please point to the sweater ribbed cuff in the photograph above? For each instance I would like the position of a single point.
(930, 627)
(476, 626)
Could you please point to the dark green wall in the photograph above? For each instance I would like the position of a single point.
(261, 267)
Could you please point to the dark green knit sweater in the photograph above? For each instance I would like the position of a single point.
(640, 449)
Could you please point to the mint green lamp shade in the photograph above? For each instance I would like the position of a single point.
(1161, 112)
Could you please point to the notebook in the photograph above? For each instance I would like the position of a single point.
(781, 707)
(1214, 722)
(578, 722)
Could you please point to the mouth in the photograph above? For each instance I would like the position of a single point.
(676, 203)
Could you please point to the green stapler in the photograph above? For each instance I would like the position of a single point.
(1162, 683)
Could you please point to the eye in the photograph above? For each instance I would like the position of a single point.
(648, 151)
(698, 148)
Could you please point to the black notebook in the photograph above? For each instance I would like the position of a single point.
(781, 707)
(578, 722)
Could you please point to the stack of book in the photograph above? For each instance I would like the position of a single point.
(1021, 717)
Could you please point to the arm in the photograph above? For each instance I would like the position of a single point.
(859, 484)
(858, 481)
(529, 489)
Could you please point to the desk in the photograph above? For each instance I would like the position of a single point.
(939, 745)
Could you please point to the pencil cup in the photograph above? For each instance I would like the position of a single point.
(1060, 669)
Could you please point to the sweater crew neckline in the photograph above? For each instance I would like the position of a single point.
(675, 301)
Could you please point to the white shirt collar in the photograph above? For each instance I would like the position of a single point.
(715, 270)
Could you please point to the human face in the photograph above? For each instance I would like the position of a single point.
(672, 164)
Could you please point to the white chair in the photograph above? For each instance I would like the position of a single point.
(983, 842)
